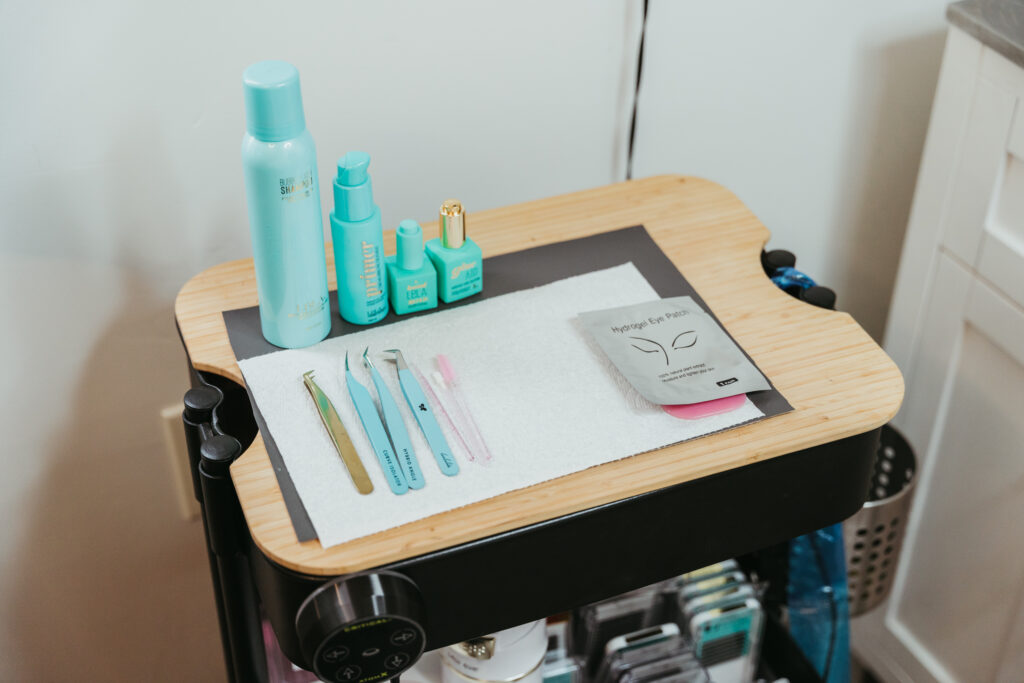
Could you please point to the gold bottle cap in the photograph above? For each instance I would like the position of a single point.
(453, 224)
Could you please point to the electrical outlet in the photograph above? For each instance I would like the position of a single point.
(177, 456)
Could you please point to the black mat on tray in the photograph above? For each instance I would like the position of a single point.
(502, 274)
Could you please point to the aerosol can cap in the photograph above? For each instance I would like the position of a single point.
(273, 101)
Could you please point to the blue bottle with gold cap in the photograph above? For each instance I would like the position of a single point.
(458, 259)
(412, 280)
(283, 197)
(358, 243)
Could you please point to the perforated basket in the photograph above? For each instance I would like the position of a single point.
(874, 536)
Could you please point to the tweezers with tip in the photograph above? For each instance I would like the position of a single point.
(338, 435)
(375, 432)
(396, 427)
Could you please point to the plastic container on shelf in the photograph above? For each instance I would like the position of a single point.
(515, 654)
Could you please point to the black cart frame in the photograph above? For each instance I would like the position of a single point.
(523, 574)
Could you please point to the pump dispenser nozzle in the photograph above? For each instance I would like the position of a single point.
(353, 191)
(352, 168)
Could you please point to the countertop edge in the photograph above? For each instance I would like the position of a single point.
(998, 24)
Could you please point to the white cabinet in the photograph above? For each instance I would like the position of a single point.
(956, 328)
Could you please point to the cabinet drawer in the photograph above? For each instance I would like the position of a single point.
(983, 153)
(1001, 252)
(983, 224)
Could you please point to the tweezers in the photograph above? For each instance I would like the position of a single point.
(339, 437)
(424, 414)
(395, 427)
(375, 432)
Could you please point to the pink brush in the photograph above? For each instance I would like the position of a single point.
(693, 411)
(472, 431)
(443, 410)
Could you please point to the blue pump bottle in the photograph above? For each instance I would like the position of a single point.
(358, 243)
(283, 199)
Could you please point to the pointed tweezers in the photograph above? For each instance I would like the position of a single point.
(375, 432)
(338, 435)
(396, 427)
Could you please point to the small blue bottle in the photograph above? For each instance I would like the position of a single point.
(412, 280)
(283, 196)
(457, 259)
(358, 243)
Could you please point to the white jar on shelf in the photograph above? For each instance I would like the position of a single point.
(515, 654)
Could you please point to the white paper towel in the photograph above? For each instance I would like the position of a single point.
(546, 398)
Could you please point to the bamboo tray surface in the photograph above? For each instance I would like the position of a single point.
(838, 380)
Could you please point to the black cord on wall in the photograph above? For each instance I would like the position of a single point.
(636, 94)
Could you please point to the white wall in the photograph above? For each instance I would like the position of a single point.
(120, 134)
(814, 113)
(120, 128)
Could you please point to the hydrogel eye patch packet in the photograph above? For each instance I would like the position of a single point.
(672, 352)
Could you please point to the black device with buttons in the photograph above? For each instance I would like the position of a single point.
(362, 628)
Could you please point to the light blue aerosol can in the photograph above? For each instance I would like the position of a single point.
(283, 195)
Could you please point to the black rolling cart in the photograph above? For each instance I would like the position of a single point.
(543, 550)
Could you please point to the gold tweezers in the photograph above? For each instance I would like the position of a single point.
(339, 436)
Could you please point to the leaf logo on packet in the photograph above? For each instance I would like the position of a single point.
(673, 352)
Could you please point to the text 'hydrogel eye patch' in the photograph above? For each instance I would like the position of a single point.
(672, 352)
